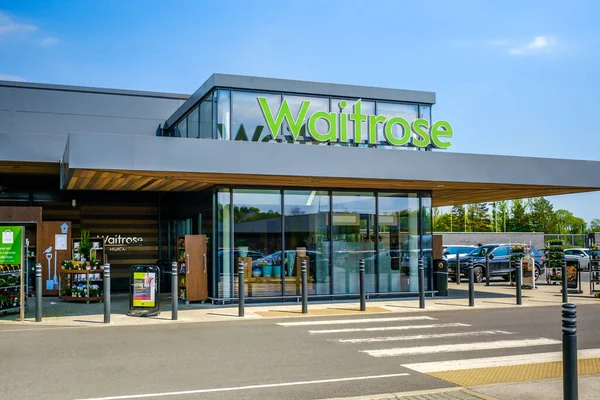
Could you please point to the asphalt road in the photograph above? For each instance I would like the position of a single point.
(262, 359)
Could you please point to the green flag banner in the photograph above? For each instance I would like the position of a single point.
(11, 251)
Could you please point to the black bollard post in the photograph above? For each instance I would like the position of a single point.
(471, 284)
(304, 288)
(569, 346)
(565, 291)
(241, 294)
(174, 291)
(457, 269)
(421, 283)
(363, 296)
(107, 293)
(38, 292)
(487, 270)
(519, 282)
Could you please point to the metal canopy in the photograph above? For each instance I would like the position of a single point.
(176, 164)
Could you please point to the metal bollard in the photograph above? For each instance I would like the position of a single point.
(569, 346)
(304, 288)
(519, 283)
(457, 269)
(471, 284)
(241, 293)
(38, 292)
(363, 296)
(107, 293)
(487, 270)
(421, 283)
(565, 291)
(174, 291)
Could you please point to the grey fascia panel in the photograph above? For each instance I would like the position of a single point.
(300, 87)
(150, 153)
(68, 88)
(29, 147)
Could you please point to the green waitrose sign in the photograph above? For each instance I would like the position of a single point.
(418, 133)
(11, 250)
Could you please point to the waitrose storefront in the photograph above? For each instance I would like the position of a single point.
(273, 170)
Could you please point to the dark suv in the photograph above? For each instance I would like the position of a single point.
(499, 255)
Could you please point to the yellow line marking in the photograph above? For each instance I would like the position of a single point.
(320, 311)
(514, 373)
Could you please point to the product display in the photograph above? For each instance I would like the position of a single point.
(81, 281)
(595, 269)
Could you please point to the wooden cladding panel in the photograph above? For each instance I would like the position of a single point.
(111, 180)
(30, 168)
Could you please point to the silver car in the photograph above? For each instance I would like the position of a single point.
(581, 255)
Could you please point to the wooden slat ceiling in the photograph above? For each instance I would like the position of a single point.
(31, 168)
(444, 193)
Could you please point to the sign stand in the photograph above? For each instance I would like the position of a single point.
(144, 291)
(12, 267)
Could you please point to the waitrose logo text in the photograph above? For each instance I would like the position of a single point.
(418, 133)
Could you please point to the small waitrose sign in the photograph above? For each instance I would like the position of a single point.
(418, 133)
(11, 251)
(120, 243)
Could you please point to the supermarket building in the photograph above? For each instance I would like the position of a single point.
(267, 169)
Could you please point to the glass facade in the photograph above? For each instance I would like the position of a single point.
(331, 230)
(236, 115)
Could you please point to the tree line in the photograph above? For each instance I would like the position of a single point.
(523, 215)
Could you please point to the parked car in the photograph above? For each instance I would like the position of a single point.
(254, 255)
(450, 252)
(499, 256)
(581, 255)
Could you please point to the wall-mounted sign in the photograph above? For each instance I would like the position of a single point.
(11, 250)
(396, 130)
(120, 243)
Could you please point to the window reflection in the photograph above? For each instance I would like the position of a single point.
(316, 104)
(398, 242)
(307, 232)
(257, 235)
(353, 236)
(206, 118)
(224, 260)
(367, 108)
(248, 122)
(409, 112)
(223, 114)
(193, 121)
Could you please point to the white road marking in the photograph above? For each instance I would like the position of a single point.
(487, 362)
(231, 389)
(447, 348)
(388, 328)
(420, 337)
(356, 321)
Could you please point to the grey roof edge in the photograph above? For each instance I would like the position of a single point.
(147, 153)
(89, 89)
(300, 87)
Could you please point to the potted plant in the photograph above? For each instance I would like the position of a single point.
(85, 245)
(276, 264)
(267, 269)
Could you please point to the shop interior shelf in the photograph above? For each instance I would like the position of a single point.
(71, 298)
(10, 273)
(81, 271)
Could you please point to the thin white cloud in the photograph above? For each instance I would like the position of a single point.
(9, 25)
(49, 41)
(538, 44)
(4, 77)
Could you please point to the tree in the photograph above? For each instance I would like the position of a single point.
(519, 221)
(503, 214)
(478, 217)
(568, 223)
(459, 219)
(541, 215)
(595, 225)
(442, 223)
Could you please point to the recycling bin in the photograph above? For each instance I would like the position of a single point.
(440, 276)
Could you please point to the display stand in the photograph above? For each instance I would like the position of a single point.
(81, 285)
(96, 249)
(554, 254)
(595, 270)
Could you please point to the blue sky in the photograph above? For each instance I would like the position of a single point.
(512, 77)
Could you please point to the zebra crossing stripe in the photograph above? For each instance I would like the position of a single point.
(421, 337)
(487, 362)
(388, 328)
(448, 348)
(356, 321)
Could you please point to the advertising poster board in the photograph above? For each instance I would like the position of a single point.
(11, 250)
(144, 289)
(528, 271)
